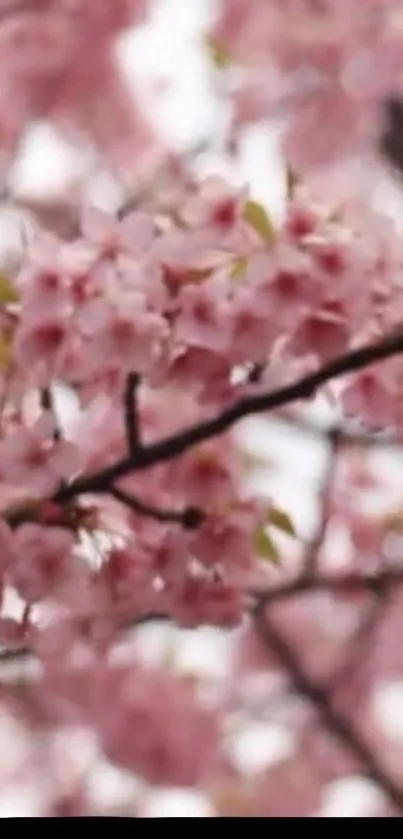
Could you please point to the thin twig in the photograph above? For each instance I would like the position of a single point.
(132, 413)
(190, 518)
(46, 402)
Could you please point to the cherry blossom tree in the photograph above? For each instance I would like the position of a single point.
(170, 321)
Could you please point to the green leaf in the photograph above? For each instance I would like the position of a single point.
(219, 54)
(8, 293)
(265, 547)
(239, 267)
(256, 215)
(282, 521)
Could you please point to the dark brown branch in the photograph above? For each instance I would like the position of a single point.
(177, 444)
(333, 721)
(190, 518)
(355, 657)
(132, 414)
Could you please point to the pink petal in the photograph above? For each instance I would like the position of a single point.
(136, 232)
(44, 426)
(97, 226)
(93, 316)
(66, 459)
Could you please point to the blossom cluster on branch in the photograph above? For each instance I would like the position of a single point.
(169, 323)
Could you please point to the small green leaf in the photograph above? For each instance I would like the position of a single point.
(8, 293)
(219, 54)
(238, 268)
(265, 547)
(282, 521)
(256, 215)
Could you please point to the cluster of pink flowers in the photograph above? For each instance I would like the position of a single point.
(188, 298)
(49, 73)
(192, 301)
(328, 67)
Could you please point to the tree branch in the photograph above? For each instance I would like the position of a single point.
(179, 443)
(344, 676)
(359, 647)
(331, 718)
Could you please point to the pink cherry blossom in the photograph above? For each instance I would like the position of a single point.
(30, 459)
(205, 476)
(161, 733)
(41, 559)
(126, 335)
(227, 542)
(373, 398)
(214, 205)
(133, 233)
(326, 334)
(199, 600)
(127, 570)
(203, 310)
(43, 341)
